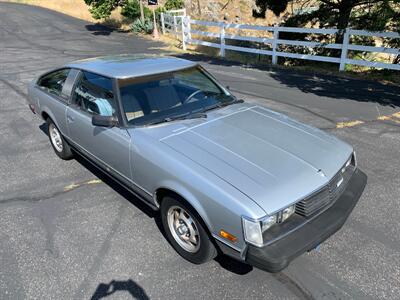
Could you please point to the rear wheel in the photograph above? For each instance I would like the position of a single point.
(186, 232)
(57, 141)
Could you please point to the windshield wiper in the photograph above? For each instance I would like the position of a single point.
(180, 117)
(223, 104)
(231, 102)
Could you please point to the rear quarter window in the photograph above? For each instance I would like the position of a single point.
(53, 82)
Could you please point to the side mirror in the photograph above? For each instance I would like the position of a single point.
(228, 87)
(104, 121)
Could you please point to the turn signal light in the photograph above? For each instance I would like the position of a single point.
(228, 236)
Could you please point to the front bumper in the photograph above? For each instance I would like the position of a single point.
(277, 255)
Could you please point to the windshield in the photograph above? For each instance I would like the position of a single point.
(152, 99)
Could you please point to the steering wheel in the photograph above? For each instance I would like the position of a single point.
(188, 98)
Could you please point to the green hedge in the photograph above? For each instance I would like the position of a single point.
(131, 10)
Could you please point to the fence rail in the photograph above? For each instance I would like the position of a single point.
(179, 24)
(172, 21)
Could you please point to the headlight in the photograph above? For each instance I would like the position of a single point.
(253, 229)
(268, 222)
(252, 232)
(287, 212)
(350, 162)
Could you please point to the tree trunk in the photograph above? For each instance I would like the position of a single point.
(345, 9)
(141, 11)
(199, 7)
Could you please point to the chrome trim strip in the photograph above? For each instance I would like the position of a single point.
(129, 188)
(111, 168)
(306, 220)
(302, 224)
(226, 243)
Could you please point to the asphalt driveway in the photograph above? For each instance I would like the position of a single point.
(69, 232)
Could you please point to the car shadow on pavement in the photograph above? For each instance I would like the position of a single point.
(106, 289)
(117, 187)
(233, 265)
(330, 86)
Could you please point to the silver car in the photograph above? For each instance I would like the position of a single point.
(226, 176)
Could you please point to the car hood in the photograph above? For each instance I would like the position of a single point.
(270, 158)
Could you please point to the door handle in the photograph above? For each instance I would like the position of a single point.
(70, 119)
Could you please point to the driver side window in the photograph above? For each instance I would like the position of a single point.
(94, 94)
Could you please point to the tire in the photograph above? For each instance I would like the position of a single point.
(57, 141)
(196, 248)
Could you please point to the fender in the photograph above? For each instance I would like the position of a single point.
(45, 109)
(188, 196)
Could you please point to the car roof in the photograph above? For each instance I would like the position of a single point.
(128, 66)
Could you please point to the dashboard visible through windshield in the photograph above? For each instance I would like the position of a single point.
(154, 99)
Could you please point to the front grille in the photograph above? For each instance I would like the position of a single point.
(327, 195)
(315, 202)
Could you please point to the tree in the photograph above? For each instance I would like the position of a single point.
(361, 14)
(174, 4)
(373, 15)
(133, 11)
(101, 9)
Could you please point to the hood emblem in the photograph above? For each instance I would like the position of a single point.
(321, 173)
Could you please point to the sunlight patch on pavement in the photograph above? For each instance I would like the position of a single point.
(396, 115)
(76, 185)
(348, 124)
(393, 117)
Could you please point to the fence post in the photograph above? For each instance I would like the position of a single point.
(175, 25)
(162, 23)
(275, 44)
(188, 27)
(222, 41)
(184, 31)
(345, 45)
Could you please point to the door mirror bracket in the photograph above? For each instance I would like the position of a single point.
(104, 121)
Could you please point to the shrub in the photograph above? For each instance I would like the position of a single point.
(101, 9)
(142, 27)
(158, 12)
(131, 10)
(174, 4)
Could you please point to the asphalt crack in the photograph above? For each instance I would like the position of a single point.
(65, 190)
(298, 290)
(15, 89)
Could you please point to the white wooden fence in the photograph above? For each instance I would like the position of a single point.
(172, 21)
(181, 25)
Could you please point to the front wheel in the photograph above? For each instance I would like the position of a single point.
(60, 146)
(186, 232)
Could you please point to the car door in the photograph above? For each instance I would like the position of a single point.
(107, 146)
